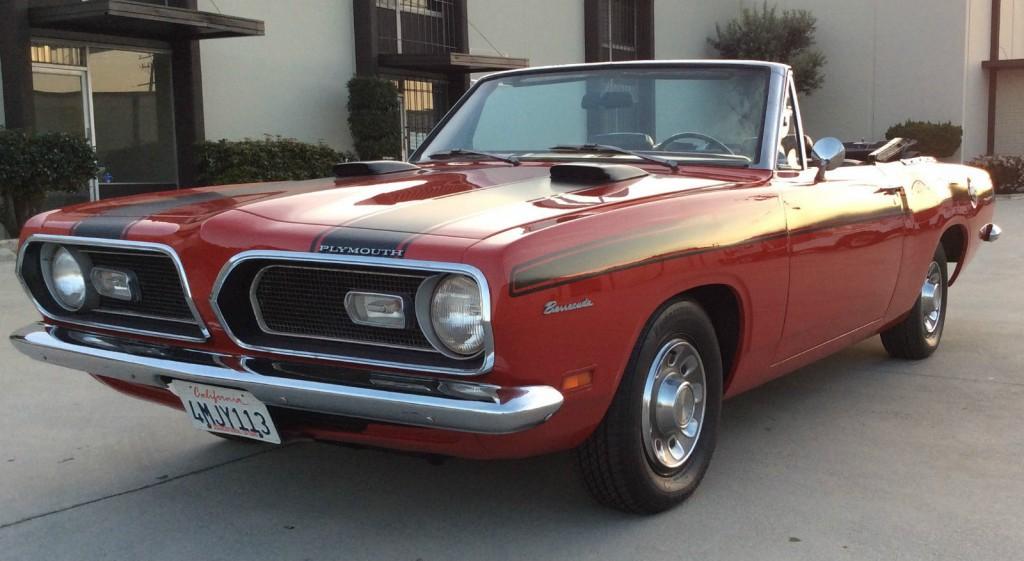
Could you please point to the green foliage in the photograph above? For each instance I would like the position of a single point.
(32, 165)
(271, 159)
(767, 34)
(1007, 172)
(940, 140)
(374, 118)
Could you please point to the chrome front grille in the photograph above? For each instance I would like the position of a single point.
(163, 309)
(162, 295)
(293, 304)
(302, 301)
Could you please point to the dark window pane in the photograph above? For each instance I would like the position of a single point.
(133, 112)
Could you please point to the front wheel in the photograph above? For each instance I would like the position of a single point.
(919, 334)
(656, 440)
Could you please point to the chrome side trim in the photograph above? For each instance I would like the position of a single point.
(458, 406)
(486, 364)
(117, 244)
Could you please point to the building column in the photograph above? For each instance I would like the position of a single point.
(16, 61)
(187, 85)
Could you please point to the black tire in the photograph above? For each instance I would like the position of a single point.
(615, 464)
(911, 338)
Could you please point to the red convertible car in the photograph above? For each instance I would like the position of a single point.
(585, 257)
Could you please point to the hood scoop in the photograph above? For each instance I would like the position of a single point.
(348, 170)
(594, 173)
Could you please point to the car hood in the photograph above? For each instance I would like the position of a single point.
(455, 200)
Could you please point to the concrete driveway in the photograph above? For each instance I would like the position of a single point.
(856, 457)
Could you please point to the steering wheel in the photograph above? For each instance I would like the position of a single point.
(710, 140)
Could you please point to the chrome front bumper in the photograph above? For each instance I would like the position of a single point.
(407, 400)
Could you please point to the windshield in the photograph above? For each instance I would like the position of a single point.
(705, 113)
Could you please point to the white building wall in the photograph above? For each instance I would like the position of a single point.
(545, 31)
(979, 40)
(290, 82)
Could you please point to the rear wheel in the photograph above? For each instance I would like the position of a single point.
(919, 334)
(656, 440)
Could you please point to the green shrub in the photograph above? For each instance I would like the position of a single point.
(32, 165)
(1007, 172)
(766, 34)
(374, 118)
(270, 159)
(940, 140)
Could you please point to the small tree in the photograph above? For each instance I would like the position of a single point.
(374, 118)
(766, 34)
(32, 165)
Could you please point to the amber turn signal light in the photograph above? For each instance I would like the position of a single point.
(577, 380)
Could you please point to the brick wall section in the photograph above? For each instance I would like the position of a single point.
(1010, 113)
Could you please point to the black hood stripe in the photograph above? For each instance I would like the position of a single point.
(423, 217)
(115, 222)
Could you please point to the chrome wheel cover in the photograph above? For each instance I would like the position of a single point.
(674, 403)
(931, 299)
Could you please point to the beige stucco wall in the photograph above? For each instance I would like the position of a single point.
(888, 61)
(545, 31)
(289, 82)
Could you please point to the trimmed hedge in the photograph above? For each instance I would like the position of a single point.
(33, 165)
(1007, 172)
(940, 140)
(271, 159)
(374, 118)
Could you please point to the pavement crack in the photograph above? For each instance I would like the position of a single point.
(958, 378)
(157, 483)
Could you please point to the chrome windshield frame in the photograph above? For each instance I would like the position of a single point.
(778, 78)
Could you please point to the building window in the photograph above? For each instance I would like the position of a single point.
(119, 100)
(416, 27)
(619, 30)
(424, 102)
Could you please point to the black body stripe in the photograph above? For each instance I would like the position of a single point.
(569, 269)
(114, 223)
(568, 266)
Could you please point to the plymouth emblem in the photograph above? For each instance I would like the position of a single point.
(365, 251)
(554, 307)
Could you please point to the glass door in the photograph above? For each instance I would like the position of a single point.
(63, 104)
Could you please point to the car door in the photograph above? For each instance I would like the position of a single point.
(845, 247)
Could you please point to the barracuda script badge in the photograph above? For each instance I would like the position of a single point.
(554, 307)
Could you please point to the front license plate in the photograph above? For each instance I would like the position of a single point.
(226, 411)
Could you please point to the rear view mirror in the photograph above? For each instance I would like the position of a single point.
(607, 100)
(830, 153)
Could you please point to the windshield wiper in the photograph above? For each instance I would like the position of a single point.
(463, 152)
(609, 149)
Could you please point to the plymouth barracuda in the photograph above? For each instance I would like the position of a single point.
(585, 257)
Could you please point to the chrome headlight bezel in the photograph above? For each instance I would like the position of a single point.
(431, 328)
(53, 256)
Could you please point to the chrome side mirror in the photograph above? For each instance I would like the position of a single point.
(830, 153)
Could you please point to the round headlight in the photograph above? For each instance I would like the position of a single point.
(67, 280)
(456, 314)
